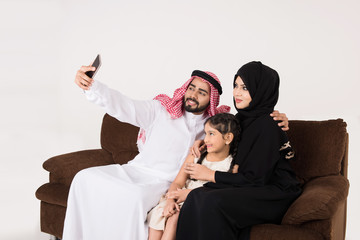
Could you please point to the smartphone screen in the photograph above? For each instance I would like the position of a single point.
(96, 64)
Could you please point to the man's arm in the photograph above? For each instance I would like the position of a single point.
(138, 113)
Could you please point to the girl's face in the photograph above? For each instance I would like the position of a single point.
(241, 94)
(215, 141)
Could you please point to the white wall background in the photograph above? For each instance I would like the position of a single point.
(151, 47)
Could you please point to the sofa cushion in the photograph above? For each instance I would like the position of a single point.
(63, 168)
(118, 136)
(319, 147)
(320, 199)
(283, 232)
(53, 193)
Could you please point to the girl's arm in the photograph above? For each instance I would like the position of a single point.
(182, 176)
(179, 182)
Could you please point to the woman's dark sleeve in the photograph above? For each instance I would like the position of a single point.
(259, 162)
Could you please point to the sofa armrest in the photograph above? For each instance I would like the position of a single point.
(64, 167)
(320, 199)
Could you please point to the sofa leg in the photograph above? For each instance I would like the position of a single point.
(54, 238)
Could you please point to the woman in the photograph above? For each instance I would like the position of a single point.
(265, 184)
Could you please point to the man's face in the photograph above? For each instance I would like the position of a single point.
(197, 96)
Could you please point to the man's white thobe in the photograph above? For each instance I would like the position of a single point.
(111, 202)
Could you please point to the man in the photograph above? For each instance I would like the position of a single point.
(111, 202)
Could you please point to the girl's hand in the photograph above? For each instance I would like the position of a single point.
(281, 117)
(180, 195)
(197, 148)
(199, 172)
(170, 208)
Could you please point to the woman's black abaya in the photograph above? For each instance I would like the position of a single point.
(265, 185)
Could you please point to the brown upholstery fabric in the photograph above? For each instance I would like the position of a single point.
(52, 219)
(64, 167)
(118, 137)
(319, 200)
(122, 157)
(283, 232)
(54, 193)
(318, 145)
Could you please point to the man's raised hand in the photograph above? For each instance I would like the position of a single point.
(82, 80)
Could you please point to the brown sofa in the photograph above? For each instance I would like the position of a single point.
(321, 164)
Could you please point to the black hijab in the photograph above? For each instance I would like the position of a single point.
(263, 84)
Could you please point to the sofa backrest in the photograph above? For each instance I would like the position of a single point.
(119, 139)
(320, 148)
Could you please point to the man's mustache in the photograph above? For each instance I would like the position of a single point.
(192, 100)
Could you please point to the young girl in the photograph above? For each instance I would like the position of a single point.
(221, 139)
(263, 187)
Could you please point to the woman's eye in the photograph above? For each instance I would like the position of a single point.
(245, 88)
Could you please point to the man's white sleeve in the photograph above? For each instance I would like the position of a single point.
(117, 105)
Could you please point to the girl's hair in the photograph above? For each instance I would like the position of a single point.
(225, 123)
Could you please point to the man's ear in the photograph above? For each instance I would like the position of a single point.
(228, 138)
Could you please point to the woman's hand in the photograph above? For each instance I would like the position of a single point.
(197, 148)
(199, 172)
(170, 208)
(235, 169)
(179, 194)
(82, 80)
(284, 124)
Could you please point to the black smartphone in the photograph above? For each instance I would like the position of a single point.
(96, 64)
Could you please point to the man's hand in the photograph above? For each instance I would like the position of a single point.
(281, 117)
(199, 172)
(197, 148)
(82, 80)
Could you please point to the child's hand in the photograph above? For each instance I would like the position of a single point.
(181, 194)
(199, 172)
(170, 208)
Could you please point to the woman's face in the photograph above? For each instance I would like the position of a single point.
(241, 94)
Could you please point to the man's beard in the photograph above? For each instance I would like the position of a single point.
(197, 109)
